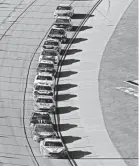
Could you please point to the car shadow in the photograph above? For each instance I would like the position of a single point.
(66, 73)
(71, 51)
(78, 154)
(65, 110)
(80, 16)
(69, 61)
(62, 87)
(63, 97)
(83, 28)
(70, 139)
(76, 40)
(66, 126)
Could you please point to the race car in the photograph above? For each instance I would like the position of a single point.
(64, 10)
(42, 131)
(52, 147)
(44, 78)
(58, 33)
(52, 44)
(52, 55)
(43, 90)
(63, 22)
(40, 117)
(46, 66)
(45, 102)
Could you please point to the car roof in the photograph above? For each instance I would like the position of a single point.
(44, 124)
(63, 17)
(42, 85)
(47, 61)
(40, 112)
(52, 139)
(50, 39)
(49, 50)
(44, 97)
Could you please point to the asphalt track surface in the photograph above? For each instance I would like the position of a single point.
(24, 24)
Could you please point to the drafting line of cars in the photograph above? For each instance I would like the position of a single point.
(41, 123)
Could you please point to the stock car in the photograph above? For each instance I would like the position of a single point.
(42, 117)
(63, 22)
(42, 131)
(58, 33)
(45, 102)
(52, 147)
(64, 10)
(52, 55)
(46, 66)
(40, 89)
(52, 44)
(44, 78)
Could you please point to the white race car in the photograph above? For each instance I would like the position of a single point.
(52, 147)
(42, 117)
(46, 66)
(63, 22)
(45, 78)
(58, 33)
(42, 131)
(64, 10)
(52, 55)
(52, 44)
(40, 89)
(45, 102)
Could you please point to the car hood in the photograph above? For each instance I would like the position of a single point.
(63, 23)
(63, 11)
(47, 82)
(55, 35)
(49, 46)
(45, 133)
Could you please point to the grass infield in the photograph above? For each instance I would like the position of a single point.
(120, 63)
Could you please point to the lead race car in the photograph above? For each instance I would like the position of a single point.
(64, 10)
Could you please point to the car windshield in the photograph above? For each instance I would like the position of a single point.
(44, 78)
(62, 20)
(43, 88)
(48, 143)
(57, 32)
(64, 8)
(44, 65)
(43, 128)
(49, 53)
(51, 43)
(42, 100)
(41, 116)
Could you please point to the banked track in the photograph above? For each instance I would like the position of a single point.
(71, 161)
